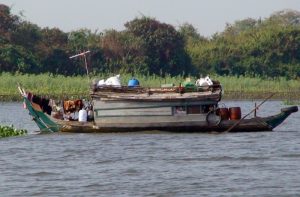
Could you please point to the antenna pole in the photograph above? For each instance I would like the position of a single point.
(86, 67)
(85, 62)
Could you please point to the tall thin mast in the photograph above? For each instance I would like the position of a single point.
(85, 62)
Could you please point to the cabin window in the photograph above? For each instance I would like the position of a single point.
(194, 109)
(179, 110)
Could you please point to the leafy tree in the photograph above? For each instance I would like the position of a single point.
(27, 35)
(188, 31)
(163, 45)
(268, 48)
(8, 23)
(285, 17)
(83, 40)
(123, 52)
(53, 38)
(58, 62)
(241, 26)
(17, 59)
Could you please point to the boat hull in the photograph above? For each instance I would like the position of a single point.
(186, 127)
(123, 116)
(248, 125)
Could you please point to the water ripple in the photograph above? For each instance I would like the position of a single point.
(153, 163)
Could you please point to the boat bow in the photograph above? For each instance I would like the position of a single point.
(274, 121)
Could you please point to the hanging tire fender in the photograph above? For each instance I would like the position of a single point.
(212, 118)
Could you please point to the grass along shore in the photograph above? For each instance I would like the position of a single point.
(61, 87)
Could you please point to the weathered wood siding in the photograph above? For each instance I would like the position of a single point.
(160, 111)
(122, 112)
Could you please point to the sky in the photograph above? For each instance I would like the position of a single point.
(207, 16)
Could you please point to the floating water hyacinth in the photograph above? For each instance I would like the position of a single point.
(8, 131)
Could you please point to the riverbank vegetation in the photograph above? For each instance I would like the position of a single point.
(63, 87)
(268, 47)
(9, 131)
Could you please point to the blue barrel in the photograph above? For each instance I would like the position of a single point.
(133, 82)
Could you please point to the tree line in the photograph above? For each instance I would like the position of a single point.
(267, 47)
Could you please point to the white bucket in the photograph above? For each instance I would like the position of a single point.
(82, 115)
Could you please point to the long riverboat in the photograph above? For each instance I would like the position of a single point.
(131, 109)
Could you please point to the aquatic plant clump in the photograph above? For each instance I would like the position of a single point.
(9, 131)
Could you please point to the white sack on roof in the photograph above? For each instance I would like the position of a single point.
(204, 81)
(114, 81)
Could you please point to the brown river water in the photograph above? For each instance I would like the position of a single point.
(151, 163)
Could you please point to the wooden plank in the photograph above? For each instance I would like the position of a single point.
(160, 111)
(98, 104)
(150, 119)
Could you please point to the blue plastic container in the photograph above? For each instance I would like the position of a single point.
(133, 82)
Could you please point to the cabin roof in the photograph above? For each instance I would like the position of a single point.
(213, 93)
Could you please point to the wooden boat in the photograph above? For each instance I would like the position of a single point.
(174, 109)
